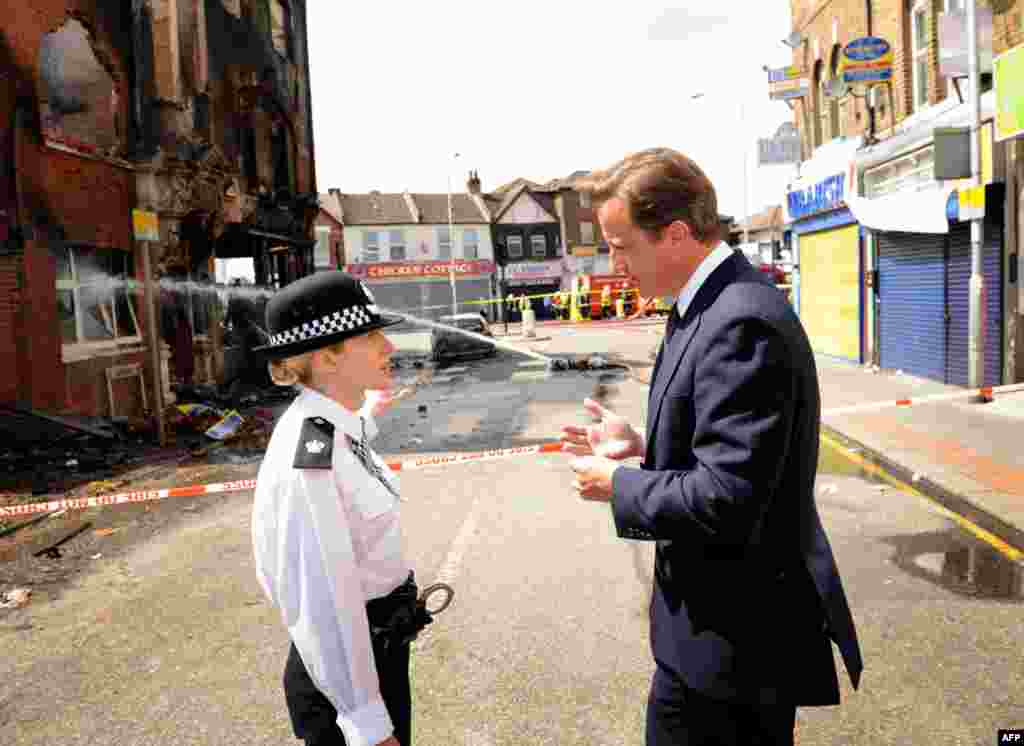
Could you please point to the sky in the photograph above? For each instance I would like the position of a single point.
(541, 89)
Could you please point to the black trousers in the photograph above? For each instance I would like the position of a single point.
(679, 716)
(314, 719)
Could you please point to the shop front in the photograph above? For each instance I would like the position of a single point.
(920, 251)
(829, 265)
(534, 279)
(424, 289)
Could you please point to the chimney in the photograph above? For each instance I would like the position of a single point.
(473, 183)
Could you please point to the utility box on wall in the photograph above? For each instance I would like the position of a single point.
(952, 153)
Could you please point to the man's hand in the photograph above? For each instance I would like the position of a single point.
(611, 438)
(380, 401)
(389, 741)
(593, 477)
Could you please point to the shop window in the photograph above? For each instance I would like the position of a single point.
(835, 119)
(538, 245)
(514, 245)
(95, 298)
(444, 243)
(371, 247)
(78, 100)
(471, 243)
(396, 246)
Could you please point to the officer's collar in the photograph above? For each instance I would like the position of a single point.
(316, 404)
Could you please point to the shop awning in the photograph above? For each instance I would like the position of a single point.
(909, 212)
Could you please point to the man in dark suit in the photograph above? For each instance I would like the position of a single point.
(747, 597)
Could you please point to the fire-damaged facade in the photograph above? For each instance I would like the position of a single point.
(195, 112)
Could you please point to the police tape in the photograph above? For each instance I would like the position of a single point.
(122, 498)
(426, 462)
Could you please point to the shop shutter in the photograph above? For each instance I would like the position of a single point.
(912, 303)
(830, 291)
(958, 294)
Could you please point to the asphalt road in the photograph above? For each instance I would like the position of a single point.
(171, 640)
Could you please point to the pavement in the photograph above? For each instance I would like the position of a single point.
(963, 455)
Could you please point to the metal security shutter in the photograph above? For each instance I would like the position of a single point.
(403, 296)
(958, 294)
(439, 299)
(912, 303)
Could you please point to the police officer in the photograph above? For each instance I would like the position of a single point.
(325, 525)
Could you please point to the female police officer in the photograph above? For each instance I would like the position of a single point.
(326, 521)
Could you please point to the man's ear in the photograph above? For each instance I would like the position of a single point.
(679, 231)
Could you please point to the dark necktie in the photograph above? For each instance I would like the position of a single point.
(362, 452)
(670, 326)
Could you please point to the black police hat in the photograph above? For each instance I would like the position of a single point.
(319, 310)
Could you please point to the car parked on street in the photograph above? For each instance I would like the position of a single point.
(447, 345)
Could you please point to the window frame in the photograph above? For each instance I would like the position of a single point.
(82, 347)
(445, 246)
(323, 247)
(371, 256)
(583, 233)
(542, 254)
(519, 253)
(394, 245)
(470, 243)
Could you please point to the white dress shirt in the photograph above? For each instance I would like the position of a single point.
(326, 541)
(711, 262)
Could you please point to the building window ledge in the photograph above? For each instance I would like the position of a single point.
(76, 353)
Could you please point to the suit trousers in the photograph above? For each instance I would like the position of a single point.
(314, 719)
(680, 716)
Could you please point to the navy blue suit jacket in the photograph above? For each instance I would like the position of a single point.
(746, 594)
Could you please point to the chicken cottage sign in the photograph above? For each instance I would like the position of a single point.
(386, 270)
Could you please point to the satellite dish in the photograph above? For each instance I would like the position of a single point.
(794, 40)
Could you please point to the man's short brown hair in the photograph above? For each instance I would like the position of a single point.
(659, 186)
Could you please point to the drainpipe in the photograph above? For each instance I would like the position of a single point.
(870, 108)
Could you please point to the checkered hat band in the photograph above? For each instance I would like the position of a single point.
(347, 320)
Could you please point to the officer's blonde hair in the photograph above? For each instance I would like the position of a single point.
(298, 368)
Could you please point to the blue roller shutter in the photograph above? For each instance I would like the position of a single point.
(912, 303)
(959, 284)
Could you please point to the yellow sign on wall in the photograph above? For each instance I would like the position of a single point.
(145, 225)
(1008, 72)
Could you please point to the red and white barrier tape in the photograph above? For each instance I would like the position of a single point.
(426, 462)
(421, 462)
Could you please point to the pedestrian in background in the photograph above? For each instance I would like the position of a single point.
(325, 526)
(747, 598)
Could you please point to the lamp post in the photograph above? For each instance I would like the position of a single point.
(451, 240)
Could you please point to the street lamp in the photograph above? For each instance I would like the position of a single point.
(746, 157)
(451, 239)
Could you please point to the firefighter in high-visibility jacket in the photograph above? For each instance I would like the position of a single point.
(606, 301)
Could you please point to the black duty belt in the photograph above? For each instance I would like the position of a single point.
(399, 617)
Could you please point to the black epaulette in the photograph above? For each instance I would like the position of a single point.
(316, 443)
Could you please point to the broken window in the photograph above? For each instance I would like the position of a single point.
(78, 99)
(95, 302)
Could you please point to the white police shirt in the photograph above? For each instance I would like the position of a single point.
(326, 541)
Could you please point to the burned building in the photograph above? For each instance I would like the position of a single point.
(195, 111)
